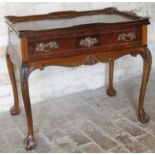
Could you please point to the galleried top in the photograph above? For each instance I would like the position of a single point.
(72, 19)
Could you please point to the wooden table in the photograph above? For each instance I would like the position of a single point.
(71, 39)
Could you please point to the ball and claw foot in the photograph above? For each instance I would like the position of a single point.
(143, 117)
(14, 110)
(29, 142)
(111, 92)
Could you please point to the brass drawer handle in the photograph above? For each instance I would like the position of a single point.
(46, 47)
(127, 37)
(88, 42)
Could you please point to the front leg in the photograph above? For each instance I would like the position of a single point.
(147, 62)
(15, 108)
(111, 91)
(24, 74)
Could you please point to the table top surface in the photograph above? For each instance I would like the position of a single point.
(67, 19)
(69, 22)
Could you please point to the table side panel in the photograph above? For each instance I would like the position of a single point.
(144, 35)
(14, 41)
(14, 47)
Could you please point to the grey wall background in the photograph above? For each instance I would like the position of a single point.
(61, 80)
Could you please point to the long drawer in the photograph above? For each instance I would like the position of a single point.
(48, 47)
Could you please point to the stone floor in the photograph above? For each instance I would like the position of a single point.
(88, 121)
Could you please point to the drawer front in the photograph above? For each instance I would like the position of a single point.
(46, 48)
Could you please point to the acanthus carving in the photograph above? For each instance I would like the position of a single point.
(91, 60)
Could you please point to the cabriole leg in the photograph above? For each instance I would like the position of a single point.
(24, 75)
(111, 91)
(147, 62)
(15, 108)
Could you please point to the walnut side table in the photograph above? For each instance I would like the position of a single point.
(71, 39)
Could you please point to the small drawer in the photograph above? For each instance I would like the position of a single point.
(123, 39)
(45, 48)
